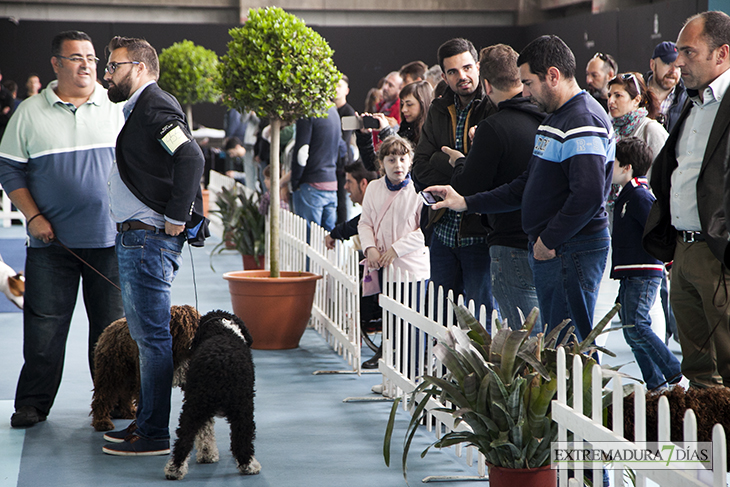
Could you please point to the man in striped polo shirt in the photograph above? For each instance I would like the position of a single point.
(54, 160)
(563, 192)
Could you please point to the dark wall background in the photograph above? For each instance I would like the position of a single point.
(366, 54)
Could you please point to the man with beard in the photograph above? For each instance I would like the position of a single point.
(664, 81)
(563, 192)
(154, 189)
(599, 71)
(458, 243)
(54, 160)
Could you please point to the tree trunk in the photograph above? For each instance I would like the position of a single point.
(274, 205)
(189, 115)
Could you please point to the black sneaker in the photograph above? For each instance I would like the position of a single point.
(373, 362)
(119, 435)
(26, 416)
(135, 445)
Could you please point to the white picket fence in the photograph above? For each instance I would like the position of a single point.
(7, 214)
(409, 335)
(336, 309)
(572, 419)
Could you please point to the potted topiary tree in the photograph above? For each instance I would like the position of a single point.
(282, 70)
(502, 388)
(190, 73)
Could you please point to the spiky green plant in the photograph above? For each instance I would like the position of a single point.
(501, 387)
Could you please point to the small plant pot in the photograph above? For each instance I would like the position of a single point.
(252, 263)
(511, 477)
(275, 310)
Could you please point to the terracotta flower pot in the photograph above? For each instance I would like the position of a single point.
(251, 263)
(511, 477)
(275, 311)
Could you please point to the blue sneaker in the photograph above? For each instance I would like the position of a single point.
(119, 435)
(135, 445)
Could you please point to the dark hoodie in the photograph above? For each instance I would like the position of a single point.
(500, 152)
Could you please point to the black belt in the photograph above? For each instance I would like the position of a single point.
(690, 237)
(135, 225)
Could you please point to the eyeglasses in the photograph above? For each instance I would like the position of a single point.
(631, 76)
(80, 59)
(111, 67)
(606, 59)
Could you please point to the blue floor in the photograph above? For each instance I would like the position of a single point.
(306, 435)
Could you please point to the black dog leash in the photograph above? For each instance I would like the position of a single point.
(86, 263)
(195, 286)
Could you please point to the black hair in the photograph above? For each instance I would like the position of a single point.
(358, 172)
(454, 47)
(634, 151)
(232, 143)
(69, 35)
(545, 52)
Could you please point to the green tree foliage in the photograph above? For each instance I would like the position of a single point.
(282, 70)
(190, 73)
(278, 67)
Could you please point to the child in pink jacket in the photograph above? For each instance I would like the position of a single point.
(391, 210)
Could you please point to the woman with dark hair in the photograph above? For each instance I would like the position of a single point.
(634, 110)
(415, 99)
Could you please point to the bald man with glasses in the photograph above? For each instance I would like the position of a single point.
(55, 156)
(599, 71)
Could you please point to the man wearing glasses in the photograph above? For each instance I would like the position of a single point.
(154, 188)
(54, 160)
(599, 71)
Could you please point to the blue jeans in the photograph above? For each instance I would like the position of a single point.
(567, 285)
(148, 263)
(512, 285)
(316, 206)
(657, 363)
(52, 278)
(465, 270)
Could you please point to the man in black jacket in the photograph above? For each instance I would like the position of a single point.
(500, 152)
(457, 242)
(154, 189)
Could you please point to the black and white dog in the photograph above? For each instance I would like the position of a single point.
(219, 382)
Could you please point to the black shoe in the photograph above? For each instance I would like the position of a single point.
(135, 445)
(373, 362)
(26, 416)
(119, 435)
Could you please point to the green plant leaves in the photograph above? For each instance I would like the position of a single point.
(190, 73)
(278, 67)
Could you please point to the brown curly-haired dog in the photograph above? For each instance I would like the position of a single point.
(116, 365)
(711, 406)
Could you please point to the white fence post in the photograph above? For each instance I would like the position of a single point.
(571, 419)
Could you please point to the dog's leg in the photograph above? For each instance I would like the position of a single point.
(243, 432)
(191, 421)
(207, 449)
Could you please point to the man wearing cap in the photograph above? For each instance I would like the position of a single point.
(664, 81)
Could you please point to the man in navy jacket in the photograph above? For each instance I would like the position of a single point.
(154, 189)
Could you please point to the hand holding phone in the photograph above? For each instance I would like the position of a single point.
(430, 198)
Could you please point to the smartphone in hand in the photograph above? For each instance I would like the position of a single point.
(430, 198)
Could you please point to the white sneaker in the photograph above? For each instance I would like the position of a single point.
(378, 388)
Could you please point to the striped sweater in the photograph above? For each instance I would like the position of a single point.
(629, 259)
(563, 191)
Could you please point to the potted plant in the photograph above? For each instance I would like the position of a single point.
(243, 226)
(190, 73)
(502, 388)
(282, 70)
